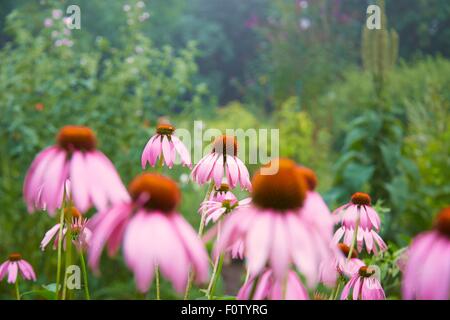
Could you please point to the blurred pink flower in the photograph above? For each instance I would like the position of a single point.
(269, 287)
(314, 205)
(222, 202)
(57, 14)
(153, 234)
(364, 285)
(48, 23)
(94, 180)
(165, 145)
(252, 21)
(222, 160)
(359, 211)
(13, 265)
(81, 234)
(427, 270)
(274, 230)
(340, 265)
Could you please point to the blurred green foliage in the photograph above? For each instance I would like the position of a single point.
(360, 121)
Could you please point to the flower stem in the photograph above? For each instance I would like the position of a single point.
(58, 268)
(158, 293)
(217, 269)
(215, 276)
(200, 233)
(16, 285)
(85, 276)
(68, 261)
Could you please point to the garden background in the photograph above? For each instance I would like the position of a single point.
(368, 111)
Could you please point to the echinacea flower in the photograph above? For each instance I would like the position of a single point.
(165, 145)
(222, 202)
(93, 178)
(273, 228)
(427, 270)
(360, 216)
(222, 161)
(268, 287)
(13, 266)
(340, 265)
(364, 285)
(314, 207)
(80, 233)
(153, 234)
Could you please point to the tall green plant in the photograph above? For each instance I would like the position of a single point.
(372, 159)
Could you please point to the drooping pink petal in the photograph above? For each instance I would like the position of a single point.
(55, 177)
(193, 246)
(279, 253)
(12, 272)
(182, 151)
(218, 171)
(168, 151)
(79, 177)
(155, 150)
(232, 171)
(258, 242)
(138, 257)
(145, 157)
(4, 269)
(49, 235)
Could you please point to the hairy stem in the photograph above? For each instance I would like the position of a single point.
(85, 276)
(200, 233)
(58, 267)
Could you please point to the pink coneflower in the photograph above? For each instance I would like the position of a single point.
(222, 202)
(340, 265)
(92, 175)
(359, 215)
(13, 265)
(314, 207)
(222, 161)
(164, 144)
(154, 234)
(268, 287)
(427, 271)
(273, 229)
(364, 286)
(80, 233)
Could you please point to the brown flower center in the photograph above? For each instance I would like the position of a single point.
(443, 221)
(225, 145)
(163, 193)
(15, 257)
(361, 198)
(345, 249)
(71, 212)
(283, 190)
(73, 138)
(366, 272)
(165, 129)
(309, 176)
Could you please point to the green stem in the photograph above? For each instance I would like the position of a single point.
(85, 276)
(58, 268)
(217, 269)
(215, 276)
(335, 292)
(158, 293)
(200, 233)
(17, 289)
(68, 258)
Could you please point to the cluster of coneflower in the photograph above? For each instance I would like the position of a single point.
(283, 231)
